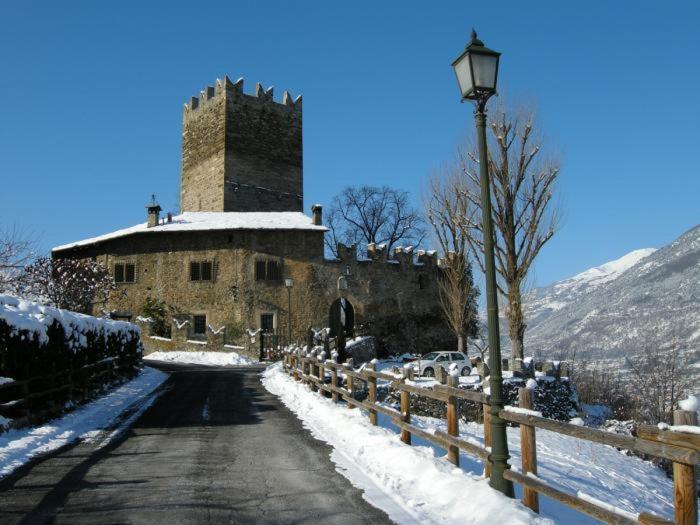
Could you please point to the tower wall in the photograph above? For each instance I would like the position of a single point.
(242, 152)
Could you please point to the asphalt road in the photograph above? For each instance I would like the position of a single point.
(215, 447)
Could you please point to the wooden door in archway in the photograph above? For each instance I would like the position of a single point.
(342, 317)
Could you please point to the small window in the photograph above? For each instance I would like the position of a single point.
(124, 273)
(457, 357)
(267, 322)
(129, 273)
(206, 271)
(259, 270)
(194, 271)
(201, 271)
(443, 358)
(200, 324)
(273, 271)
(267, 271)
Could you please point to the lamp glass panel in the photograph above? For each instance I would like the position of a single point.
(464, 75)
(485, 71)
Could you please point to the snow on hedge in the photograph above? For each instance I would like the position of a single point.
(21, 315)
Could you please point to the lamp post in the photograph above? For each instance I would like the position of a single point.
(477, 71)
(289, 282)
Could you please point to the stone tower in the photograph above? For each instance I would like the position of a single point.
(241, 152)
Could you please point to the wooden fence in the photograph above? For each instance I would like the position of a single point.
(30, 400)
(682, 448)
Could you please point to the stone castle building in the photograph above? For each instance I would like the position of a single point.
(221, 268)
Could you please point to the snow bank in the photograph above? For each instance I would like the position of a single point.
(201, 358)
(36, 319)
(412, 481)
(691, 404)
(85, 423)
(409, 483)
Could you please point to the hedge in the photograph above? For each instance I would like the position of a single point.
(38, 341)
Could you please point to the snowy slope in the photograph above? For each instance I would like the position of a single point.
(417, 485)
(541, 302)
(646, 297)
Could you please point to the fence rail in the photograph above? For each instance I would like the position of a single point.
(682, 448)
(31, 403)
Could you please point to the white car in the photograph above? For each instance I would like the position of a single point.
(429, 363)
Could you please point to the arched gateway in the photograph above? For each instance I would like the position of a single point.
(341, 317)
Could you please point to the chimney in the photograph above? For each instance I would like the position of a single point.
(317, 211)
(153, 213)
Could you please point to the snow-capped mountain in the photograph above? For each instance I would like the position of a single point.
(542, 302)
(647, 297)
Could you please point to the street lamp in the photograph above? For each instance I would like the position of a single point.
(289, 282)
(477, 71)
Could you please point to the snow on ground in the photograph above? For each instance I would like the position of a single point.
(412, 484)
(200, 358)
(406, 482)
(92, 422)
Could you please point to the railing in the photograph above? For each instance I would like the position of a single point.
(29, 400)
(682, 448)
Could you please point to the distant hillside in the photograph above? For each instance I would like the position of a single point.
(647, 297)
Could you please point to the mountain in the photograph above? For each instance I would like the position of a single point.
(648, 297)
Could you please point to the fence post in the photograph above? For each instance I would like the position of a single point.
(321, 372)
(372, 387)
(405, 408)
(312, 372)
(684, 487)
(487, 438)
(452, 421)
(528, 450)
(334, 381)
(349, 365)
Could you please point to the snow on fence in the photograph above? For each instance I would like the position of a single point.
(680, 447)
(52, 357)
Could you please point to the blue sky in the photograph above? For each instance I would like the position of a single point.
(91, 97)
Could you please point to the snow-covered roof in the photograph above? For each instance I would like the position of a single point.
(211, 221)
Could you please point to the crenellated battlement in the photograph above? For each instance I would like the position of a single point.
(405, 256)
(225, 88)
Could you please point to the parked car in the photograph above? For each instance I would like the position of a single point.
(429, 363)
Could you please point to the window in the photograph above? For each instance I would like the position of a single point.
(200, 324)
(443, 358)
(267, 322)
(267, 271)
(124, 273)
(201, 271)
(457, 357)
(259, 270)
(273, 271)
(206, 270)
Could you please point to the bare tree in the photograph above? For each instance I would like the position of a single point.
(16, 250)
(659, 378)
(446, 208)
(370, 214)
(525, 218)
(72, 284)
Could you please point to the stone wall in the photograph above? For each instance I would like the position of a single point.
(395, 299)
(241, 152)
